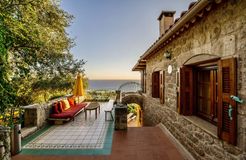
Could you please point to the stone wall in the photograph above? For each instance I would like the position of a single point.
(5, 139)
(221, 33)
(137, 98)
(36, 114)
(200, 143)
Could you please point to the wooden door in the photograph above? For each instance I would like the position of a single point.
(186, 90)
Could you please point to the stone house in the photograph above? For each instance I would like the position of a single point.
(194, 78)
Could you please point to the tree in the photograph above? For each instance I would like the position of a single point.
(35, 50)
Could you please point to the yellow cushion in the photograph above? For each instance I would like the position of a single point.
(66, 104)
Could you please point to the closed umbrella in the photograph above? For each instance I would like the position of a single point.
(78, 88)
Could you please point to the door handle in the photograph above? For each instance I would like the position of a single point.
(230, 112)
(236, 99)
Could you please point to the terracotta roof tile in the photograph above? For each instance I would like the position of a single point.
(182, 13)
(192, 4)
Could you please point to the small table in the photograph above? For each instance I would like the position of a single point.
(92, 106)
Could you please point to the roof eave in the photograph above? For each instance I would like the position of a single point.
(193, 11)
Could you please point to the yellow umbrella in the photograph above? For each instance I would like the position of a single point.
(78, 88)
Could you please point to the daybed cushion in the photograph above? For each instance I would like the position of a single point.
(69, 113)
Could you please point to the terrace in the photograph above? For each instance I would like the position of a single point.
(97, 138)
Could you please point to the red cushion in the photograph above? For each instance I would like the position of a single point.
(62, 115)
(55, 108)
(81, 105)
(69, 113)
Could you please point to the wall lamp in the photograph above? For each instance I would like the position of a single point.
(168, 55)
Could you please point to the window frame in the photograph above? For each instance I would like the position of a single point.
(156, 84)
(227, 83)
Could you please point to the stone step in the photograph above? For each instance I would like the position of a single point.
(26, 131)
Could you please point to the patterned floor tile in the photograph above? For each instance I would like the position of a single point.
(77, 134)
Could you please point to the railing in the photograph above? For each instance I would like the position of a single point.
(130, 87)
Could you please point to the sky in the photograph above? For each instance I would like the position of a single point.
(111, 35)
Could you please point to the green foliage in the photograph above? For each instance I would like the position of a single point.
(100, 95)
(7, 92)
(57, 96)
(34, 52)
(132, 108)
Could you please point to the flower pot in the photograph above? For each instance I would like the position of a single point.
(16, 139)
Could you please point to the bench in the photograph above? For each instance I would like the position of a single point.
(109, 109)
(67, 115)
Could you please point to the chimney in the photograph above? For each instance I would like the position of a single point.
(165, 20)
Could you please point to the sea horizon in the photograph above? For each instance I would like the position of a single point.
(107, 84)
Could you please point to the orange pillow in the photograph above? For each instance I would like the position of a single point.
(65, 104)
(71, 102)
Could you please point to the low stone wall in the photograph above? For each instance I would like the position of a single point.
(201, 144)
(36, 114)
(5, 146)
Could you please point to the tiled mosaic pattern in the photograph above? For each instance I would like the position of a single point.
(77, 134)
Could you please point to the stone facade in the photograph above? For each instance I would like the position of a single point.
(222, 33)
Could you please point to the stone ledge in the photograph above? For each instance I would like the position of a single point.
(31, 106)
(204, 125)
(26, 131)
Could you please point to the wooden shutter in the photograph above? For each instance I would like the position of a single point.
(162, 87)
(227, 86)
(186, 90)
(155, 85)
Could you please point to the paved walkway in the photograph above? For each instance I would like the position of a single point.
(146, 143)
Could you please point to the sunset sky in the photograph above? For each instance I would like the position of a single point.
(111, 35)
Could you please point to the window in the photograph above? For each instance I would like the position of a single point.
(158, 85)
(155, 85)
(205, 91)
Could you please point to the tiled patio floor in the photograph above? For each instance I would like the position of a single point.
(147, 143)
(78, 137)
(92, 139)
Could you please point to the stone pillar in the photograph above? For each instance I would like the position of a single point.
(5, 143)
(121, 117)
(31, 115)
(118, 96)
